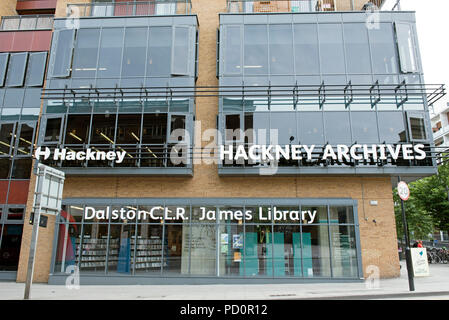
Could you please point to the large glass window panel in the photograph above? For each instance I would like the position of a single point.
(257, 251)
(203, 254)
(32, 98)
(177, 245)
(357, 48)
(86, 53)
(391, 127)
(103, 129)
(154, 128)
(255, 55)
(111, 46)
(233, 127)
(332, 57)
(338, 128)
(341, 214)
(21, 168)
(52, 130)
(310, 128)
(181, 53)
(344, 252)
(306, 49)
(233, 50)
(14, 98)
(406, 47)
(77, 131)
(16, 69)
(287, 251)
(25, 140)
(417, 128)
(94, 248)
(159, 56)
(231, 261)
(283, 128)
(281, 49)
(135, 52)
(7, 132)
(364, 127)
(36, 69)
(128, 129)
(382, 49)
(148, 249)
(62, 53)
(178, 127)
(257, 126)
(315, 251)
(4, 57)
(10, 247)
(121, 248)
(66, 255)
(5, 166)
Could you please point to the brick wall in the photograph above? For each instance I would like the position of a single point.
(7, 8)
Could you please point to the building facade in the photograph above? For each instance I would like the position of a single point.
(148, 80)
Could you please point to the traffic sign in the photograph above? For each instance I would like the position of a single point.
(403, 191)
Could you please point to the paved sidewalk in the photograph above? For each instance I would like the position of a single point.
(436, 286)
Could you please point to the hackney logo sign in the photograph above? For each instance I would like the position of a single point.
(70, 155)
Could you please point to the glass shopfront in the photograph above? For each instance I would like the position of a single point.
(251, 238)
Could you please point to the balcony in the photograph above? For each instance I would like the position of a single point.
(28, 23)
(260, 6)
(131, 8)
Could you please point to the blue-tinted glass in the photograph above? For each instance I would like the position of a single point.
(135, 52)
(331, 48)
(86, 53)
(111, 46)
(62, 53)
(391, 127)
(281, 49)
(357, 48)
(364, 127)
(256, 49)
(383, 50)
(16, 69)
(36, 69)
(306, 49)
(159, 59)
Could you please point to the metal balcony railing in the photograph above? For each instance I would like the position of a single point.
(131, 8)
(27, 22)
(260, 6)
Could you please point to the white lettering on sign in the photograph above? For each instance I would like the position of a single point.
(89, 154)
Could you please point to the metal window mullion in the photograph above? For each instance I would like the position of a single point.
(217, 242)
(106, 267)
(65, 244)
(190, 237)
(135, 248)
(330, 239)
(163, 248)
(272, 247)
(301, 245)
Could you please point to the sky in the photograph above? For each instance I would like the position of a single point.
(432, 23)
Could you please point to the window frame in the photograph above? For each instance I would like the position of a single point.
(42, 70)
(22, 71)
(54, 50)
(4, 70)
(419, 115)
(191, 44)
(413, 60)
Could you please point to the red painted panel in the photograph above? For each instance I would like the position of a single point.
(22, 41)
(6, 39)
(18, 192)
(41, 41)
(19, 41)
(35, 5)
(3, 191)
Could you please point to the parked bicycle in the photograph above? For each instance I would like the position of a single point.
(438, 255)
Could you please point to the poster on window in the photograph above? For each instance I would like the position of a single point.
(237, 241)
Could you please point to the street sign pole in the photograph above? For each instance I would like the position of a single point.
(408, 254)
(34, 234)
(47, 199)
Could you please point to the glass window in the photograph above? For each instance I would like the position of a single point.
(86, 53)
(391, 127)
(315, 251)
(364, 127)
(233, 47)
(5, 166)
(178, 127)
(36, 69)
(177, 244)
(32, 98)
(231, 263)
(25, 140)
(341, 214)
(406, 47)
(77, 131)
(135, 52)
(418, 129)
(159, 59)
(53, 130)
(306, 49)
(281, 49)
(21, 169)
(10, 247)
(111, 46)
(62, 53)
(233, 127)
(7, 132)
(103, 129)
(256, 49)
(121, 247)
(382, 49)
(3, 67)
(15, 213)
(310, 128)
(287, 251)
(154, 128)
(128, 129)
(203, 253)
(93, 250)
(67, 254)
(181, 53)
(283, 128)
(344, 252)
(16, 69)
(148, 248)
(357, 48)
(338, 129)
(331, 48)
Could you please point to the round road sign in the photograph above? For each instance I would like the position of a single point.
(403, 191)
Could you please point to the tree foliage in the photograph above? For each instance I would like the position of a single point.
(428, 206)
